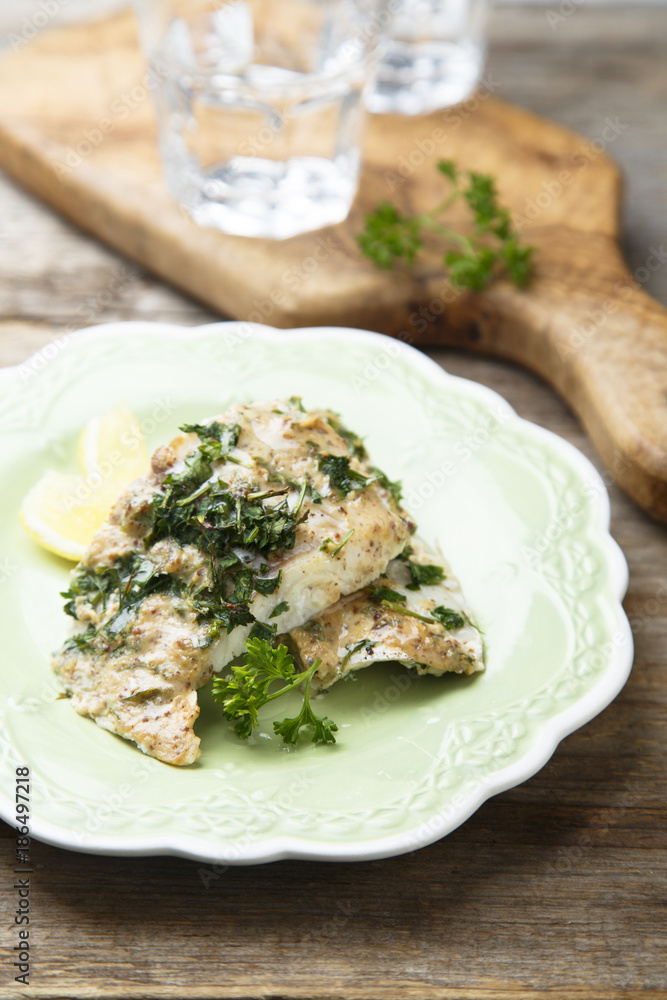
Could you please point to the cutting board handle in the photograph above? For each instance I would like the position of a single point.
(601, 342)
(615, 375)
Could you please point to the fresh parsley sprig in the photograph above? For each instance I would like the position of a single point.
(247, 689)
(472, 261)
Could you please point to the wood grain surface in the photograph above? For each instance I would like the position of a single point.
(554, 889)
(80, 133)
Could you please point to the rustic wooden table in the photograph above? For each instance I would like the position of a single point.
(556, 888)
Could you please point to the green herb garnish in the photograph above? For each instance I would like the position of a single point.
(473, 261)
(324, 547)
(392, 486)
(262, 630)
(355, 444)
(128, 582)
(424, 576)
(341, 477)
(387, 594)
(199, 510)
(247, 689)
(448, 617)
(406, 611)
(367, 644)
(280, 609)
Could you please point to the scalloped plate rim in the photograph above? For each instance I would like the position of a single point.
(556, 728)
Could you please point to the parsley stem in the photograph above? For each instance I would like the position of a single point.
(348, 536)
(204, 488)
(263, 495)
(444, 205)
(437, 227)
(305, 675)
(413, 614)
(302, 494)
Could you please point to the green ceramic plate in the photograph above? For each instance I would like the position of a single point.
(521, 515)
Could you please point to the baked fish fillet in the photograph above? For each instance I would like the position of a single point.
(414, 613)
(256, 520)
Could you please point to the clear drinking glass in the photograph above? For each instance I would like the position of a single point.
(260, 107)
(433, 57)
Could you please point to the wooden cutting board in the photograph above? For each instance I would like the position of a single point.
(77, 128)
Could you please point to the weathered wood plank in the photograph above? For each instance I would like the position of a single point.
(555, 889)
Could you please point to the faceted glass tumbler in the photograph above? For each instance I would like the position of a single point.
(260, 107)
(433, 57)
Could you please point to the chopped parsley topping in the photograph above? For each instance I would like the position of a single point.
(448, 617)
(406, 611)
(367, 644)
(204, 512)
(196, 509)
(357, 449)
(341, 477)
(393, 487)
(230, 526)
(387, 594)
(355, 445)
(262, 630)
(280, 609)
(325, 546)
(131, 579)
(424, 576)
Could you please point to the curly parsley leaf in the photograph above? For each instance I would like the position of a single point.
(323, 729)
(473, 261)
(390, 236)
(247, 690)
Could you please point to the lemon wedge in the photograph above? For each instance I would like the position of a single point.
(57, 517)
(113, 446)
(62, 512)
